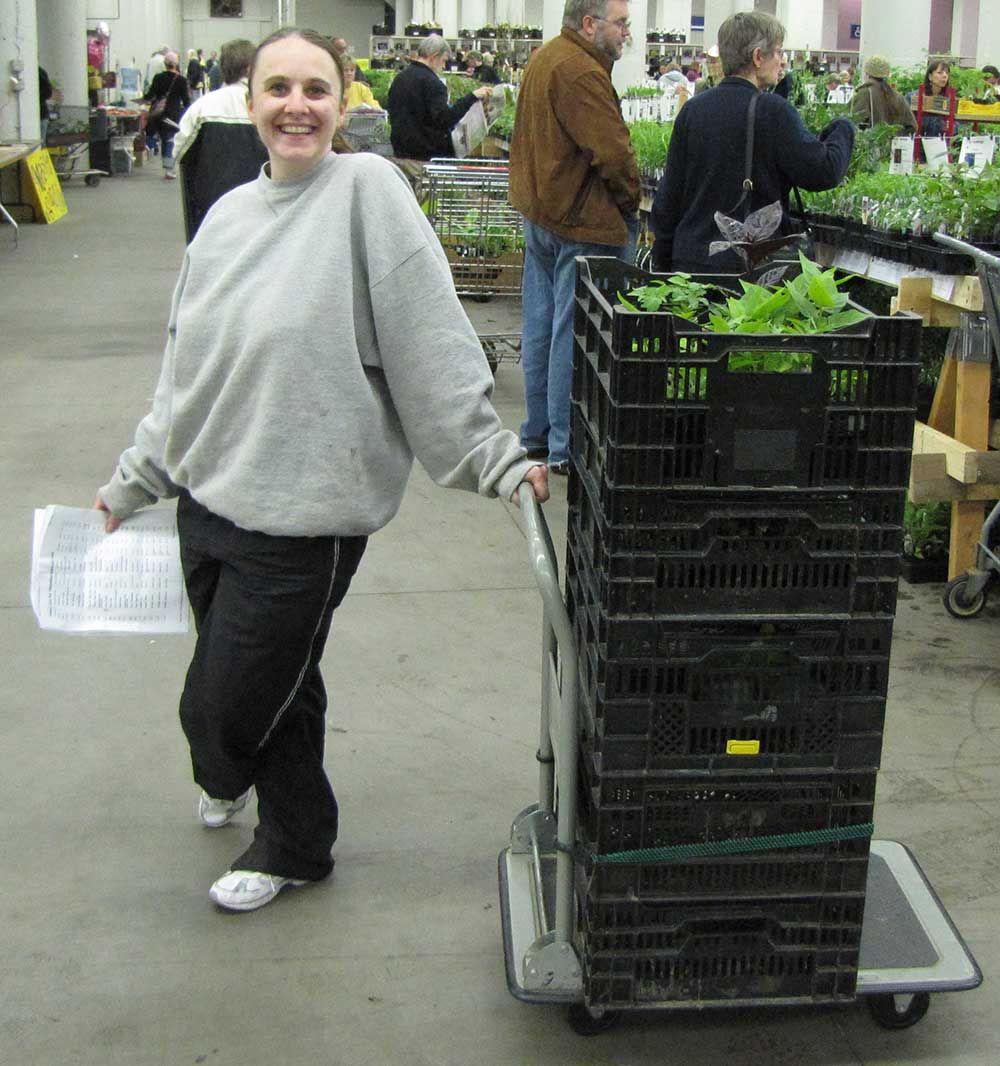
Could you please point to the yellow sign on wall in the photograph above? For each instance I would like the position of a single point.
(44, 190)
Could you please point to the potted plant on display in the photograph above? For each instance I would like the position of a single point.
(486, 33)
(926, 533)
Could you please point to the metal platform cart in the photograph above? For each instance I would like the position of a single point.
(909, 945)
(482, 236)
(715, 678)
(70, 154)
(965, 596)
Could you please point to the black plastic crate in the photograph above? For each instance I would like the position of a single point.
(740, 556)
(744, 952)
(625, 812)
(657, 382)
(695, 697)
(833, 869)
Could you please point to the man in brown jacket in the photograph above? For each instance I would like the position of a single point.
(574, 177)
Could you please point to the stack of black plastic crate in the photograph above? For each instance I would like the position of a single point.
(732, 567)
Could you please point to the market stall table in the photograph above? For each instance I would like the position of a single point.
(9, 155)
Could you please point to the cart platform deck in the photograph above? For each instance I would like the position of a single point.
(908, 943)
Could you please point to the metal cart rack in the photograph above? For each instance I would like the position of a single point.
(965, 595)
(482, 236)
(909, 946)
(70, 154)
(367, 131)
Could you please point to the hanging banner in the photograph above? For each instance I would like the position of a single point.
(44, 191)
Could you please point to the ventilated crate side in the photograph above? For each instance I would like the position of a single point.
(670, 392)
(657, 956)
(628, 811)
(839, 868)
(741, 556)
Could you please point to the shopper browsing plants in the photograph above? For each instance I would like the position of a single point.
(937, 102)
(706, 169)
(300, 379)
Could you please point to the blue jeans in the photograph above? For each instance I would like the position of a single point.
(547, 332)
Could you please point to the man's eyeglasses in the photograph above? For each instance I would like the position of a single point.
(623, 24)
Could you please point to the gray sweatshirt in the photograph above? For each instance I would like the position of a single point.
(315, 345)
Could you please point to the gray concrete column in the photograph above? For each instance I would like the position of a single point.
(803, 22)
(896, 28)
(18, 82)
(670, 15)
(404, 14)
(62, 47)
(510, 12)
(964, 28)
(831, 23)
(472, 14)
(631, 68)
(447, 15)
(552, 14)
(988, 42)
(716, 12)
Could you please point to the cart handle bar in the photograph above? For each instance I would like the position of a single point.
(542, 556)
(987, 260)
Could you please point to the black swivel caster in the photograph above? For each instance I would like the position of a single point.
(898, 1012)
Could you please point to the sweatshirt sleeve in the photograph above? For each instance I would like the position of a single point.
(140, 478)
(437, 376)
(814, 163)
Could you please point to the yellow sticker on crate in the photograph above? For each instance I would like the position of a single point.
(743, 747)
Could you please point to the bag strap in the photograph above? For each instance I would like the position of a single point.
(748, 165)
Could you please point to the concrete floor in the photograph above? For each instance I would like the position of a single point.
(110, 952)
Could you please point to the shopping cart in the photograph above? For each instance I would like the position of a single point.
(70, 155)
(965, 595)
(482, 236)
(909, 947)
(367, 131)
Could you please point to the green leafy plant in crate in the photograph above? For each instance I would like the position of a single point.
(926, 530)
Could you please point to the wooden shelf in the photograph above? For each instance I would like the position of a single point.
(940, 299)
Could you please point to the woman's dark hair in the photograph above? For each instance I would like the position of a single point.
(935, 64)
(318, 39)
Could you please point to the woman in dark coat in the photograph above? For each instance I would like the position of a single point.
(171, 85)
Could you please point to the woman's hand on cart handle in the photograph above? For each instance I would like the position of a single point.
(112, 522)
(538, 478)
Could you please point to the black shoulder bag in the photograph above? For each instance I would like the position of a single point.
(806, 243)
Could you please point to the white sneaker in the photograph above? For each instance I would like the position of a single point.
(214, 813)
(247, 890)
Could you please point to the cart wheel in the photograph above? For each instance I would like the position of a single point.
(584, 1023)
(955, 600)
(481, 297)
(898, 1012)
(92, 180)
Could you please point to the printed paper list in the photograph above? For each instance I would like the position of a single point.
(86, 580)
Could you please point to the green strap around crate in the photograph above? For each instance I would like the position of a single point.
(740, 846)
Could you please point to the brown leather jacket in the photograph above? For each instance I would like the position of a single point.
(572, 168)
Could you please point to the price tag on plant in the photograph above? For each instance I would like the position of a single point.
(977, 153)
(901, 157)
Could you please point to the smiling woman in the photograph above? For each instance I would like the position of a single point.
(315, 347)
(296, 100)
